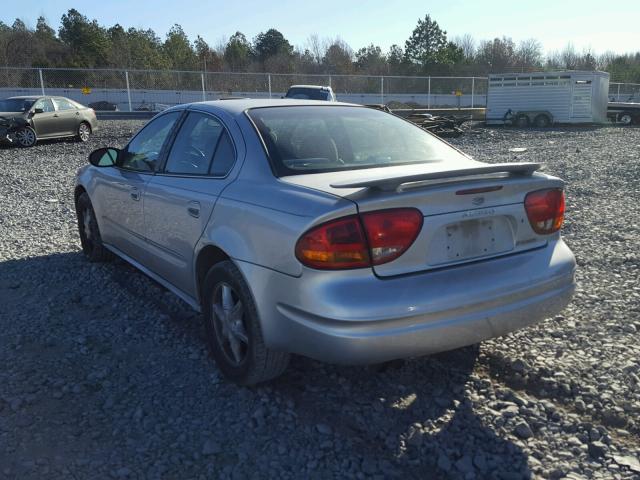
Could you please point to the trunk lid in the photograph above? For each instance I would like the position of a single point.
(471, 210)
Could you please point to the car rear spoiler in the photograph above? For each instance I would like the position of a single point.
(390, 183)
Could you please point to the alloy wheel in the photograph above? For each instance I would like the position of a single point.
(26, 137)
(229, 324)
(84, 132)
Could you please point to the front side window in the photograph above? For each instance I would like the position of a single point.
(45, 104)
(311, 139)
(194, 146)
(64, 104)
(143, 151)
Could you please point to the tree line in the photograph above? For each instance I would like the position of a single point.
(83, 43)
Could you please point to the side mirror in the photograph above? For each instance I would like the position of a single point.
(36, 111)
(104, 157)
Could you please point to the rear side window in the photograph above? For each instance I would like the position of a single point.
(225, 157)
(64, 104)
(195, 144)
(313, 139)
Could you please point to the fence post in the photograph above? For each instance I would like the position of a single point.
(269, 80)
(617, 98)
(329, 80)
(126, 77)
(429, 93)
(473, 87)
(41, 81)
(382, 90)
(204, 94)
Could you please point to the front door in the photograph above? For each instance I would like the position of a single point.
(179, 200)
(120, 190)
(44, 123)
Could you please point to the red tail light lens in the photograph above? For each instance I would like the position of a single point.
(391, 232)
(342, 243)
(545, 209)
(334, 245)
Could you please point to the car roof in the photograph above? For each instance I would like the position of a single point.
(314, 87)
(239, 105)
(25, 97)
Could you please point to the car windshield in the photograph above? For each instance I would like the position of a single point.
(308, 94)
(15, 104)
(313, 139)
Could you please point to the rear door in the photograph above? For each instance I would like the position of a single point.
(179, 200)
(45, 123)
(68, 117)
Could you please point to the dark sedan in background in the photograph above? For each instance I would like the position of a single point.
(25, 120)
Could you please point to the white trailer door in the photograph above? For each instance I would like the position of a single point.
(581, 99)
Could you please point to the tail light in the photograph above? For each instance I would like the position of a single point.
(372, 238)
(545, 209)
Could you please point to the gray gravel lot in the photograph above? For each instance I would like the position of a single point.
(104, 374)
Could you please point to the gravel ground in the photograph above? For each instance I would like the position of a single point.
(106, 375)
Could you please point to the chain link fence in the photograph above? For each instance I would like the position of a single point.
(624, 92)
(131, 90)
(153, 90)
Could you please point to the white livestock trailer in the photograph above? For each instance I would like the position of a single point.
(544, 98)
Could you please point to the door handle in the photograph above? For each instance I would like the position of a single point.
(135, 193)
(194, 209)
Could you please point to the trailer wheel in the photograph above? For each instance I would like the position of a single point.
(625, 118)
(542, 121)
(521, 121)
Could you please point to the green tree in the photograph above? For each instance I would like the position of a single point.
(49, 51)
(208, 58)
(338, 58)
(371, 60)
(271, 43)
(426, 44)
(178, 50)
(146, 50)
(237, 53)
(88, 41)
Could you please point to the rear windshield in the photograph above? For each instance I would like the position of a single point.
(308, 93)
(313, 139)
(16, 104)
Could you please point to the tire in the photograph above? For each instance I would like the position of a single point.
(26, 137)
(84, 132)
(625, 118)
(90, 238)
(521, 121)
(228, 302)
(542, 121)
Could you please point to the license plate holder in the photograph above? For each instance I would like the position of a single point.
(472, 238)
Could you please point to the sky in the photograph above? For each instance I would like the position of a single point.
(597, 25)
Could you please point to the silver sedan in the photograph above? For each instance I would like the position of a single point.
(333, 231)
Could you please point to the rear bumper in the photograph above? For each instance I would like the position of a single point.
(354, 317)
